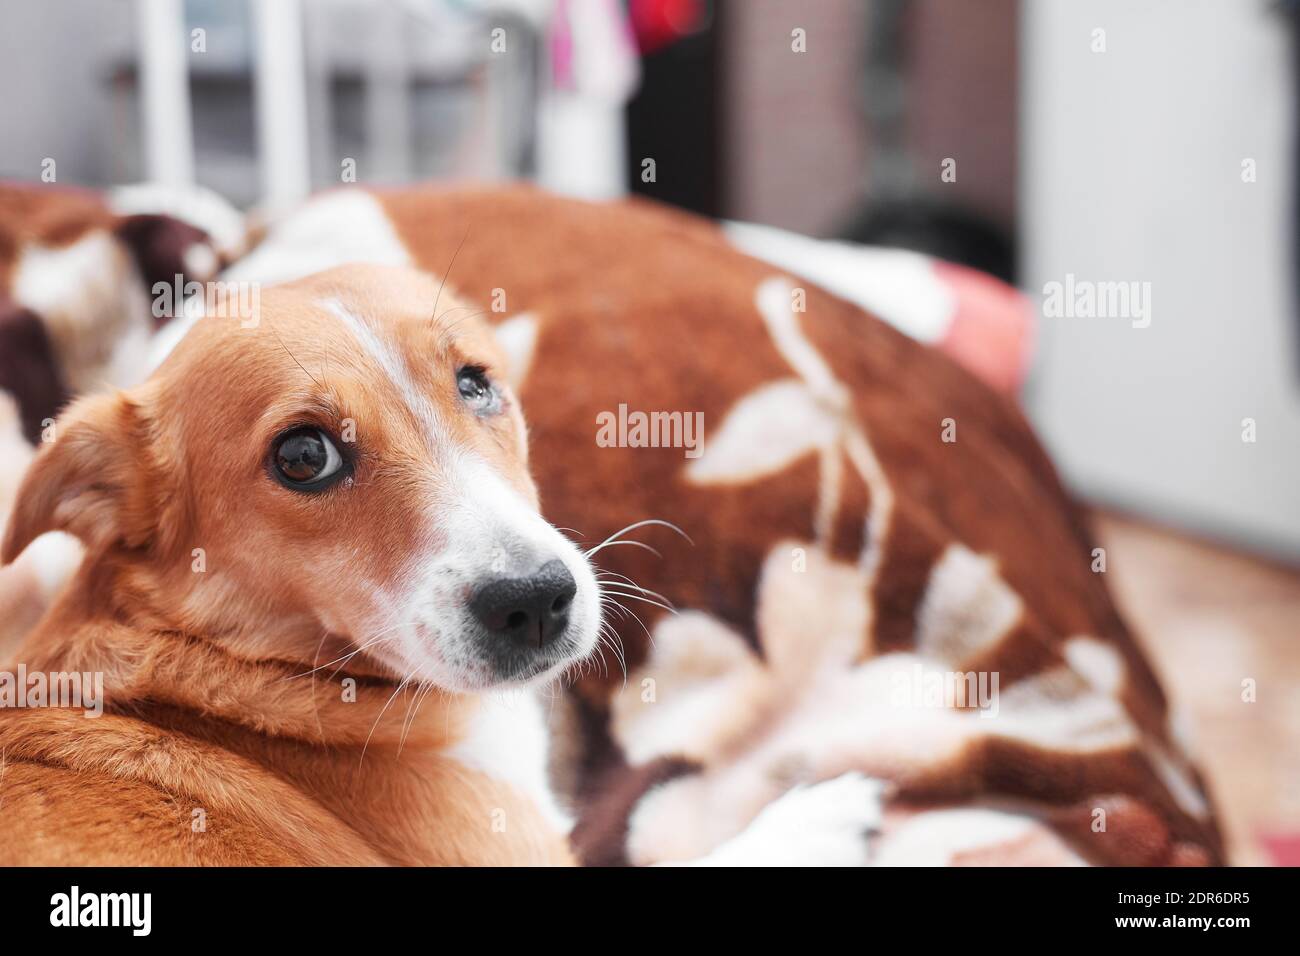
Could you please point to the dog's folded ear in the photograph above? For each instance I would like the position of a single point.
(88, 481)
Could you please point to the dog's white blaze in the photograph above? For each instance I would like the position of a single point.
(480, 529)
(389, 358)
(491, 520)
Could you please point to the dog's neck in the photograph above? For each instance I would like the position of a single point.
(105, 624)
(413, 775)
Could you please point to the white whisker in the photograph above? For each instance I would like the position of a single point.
(635, 597)
(610, 637)
(375, 725)
(610, 544)
(632, 584)
(636, 618)
(649, 521)
(422, 691)
(344, 657)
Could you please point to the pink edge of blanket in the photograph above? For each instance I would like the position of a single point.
(992, 329)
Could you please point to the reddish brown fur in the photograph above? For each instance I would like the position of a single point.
(207, 705)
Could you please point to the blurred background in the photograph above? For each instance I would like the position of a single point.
(1135, 141)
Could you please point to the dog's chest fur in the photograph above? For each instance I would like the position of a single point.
(217, 795)
(203, 759)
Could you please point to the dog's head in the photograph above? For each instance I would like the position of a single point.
(350, 470)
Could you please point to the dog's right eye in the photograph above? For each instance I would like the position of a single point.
(306, 458)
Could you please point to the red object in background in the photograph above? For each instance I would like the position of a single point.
(1284, 848)
(992, 329)
(660, 23)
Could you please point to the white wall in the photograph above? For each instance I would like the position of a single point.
(54, 60)
(1132, 163)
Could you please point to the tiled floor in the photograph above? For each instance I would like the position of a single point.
(1210, 619)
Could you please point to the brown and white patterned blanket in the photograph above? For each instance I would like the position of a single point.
(883, 573)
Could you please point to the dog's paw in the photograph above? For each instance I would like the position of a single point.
(824, 824)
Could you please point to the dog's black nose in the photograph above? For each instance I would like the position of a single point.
(530, 610)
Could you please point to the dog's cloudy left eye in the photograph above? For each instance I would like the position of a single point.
(476, 390)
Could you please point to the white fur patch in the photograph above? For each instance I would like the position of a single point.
(15, 453)
(389, 358)
(508, 741)
(54, 558)
(481, 529)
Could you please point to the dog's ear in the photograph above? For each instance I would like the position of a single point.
(87, 481)
(517, 338)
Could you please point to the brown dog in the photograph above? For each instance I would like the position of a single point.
(351, 471)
